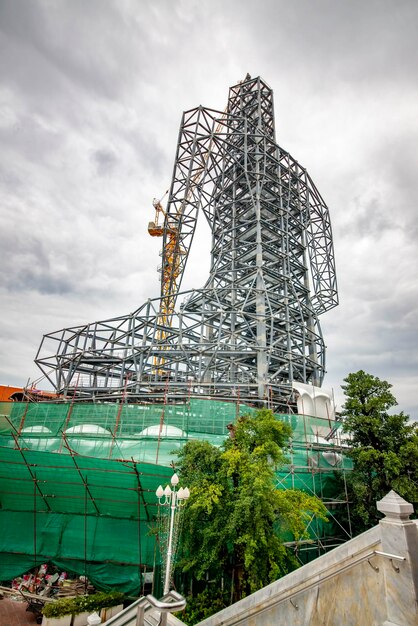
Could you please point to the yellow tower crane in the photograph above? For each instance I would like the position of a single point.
(171, 266)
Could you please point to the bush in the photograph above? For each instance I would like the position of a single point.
(65, 606)
(81, 604)
(203, 605)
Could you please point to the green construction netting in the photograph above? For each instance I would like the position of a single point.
(86, 515)
(113, 555)
(78, 481)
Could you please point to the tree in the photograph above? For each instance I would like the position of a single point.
(384, 447)
(235, 517)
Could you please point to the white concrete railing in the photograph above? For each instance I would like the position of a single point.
(149, 611)
(372, 579)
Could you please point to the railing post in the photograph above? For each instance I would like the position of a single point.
(140, 616)
(399, 537)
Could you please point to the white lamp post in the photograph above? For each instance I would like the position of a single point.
(174, 499)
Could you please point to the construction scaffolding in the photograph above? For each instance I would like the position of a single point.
(78, 481)
(81, 469)
(253, 329)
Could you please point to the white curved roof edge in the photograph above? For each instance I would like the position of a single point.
(36, 429)
(311, 390)
(157, 430)
(93, 429)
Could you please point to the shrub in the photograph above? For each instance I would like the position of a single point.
(65, 606)
(203, 605)
(81, 604)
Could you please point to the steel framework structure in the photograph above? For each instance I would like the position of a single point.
(253, 328)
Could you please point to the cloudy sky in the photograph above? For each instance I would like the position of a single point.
(91, 94)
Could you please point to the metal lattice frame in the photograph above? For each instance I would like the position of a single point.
(253, 328)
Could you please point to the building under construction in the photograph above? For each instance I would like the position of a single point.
(253, 329)
(132, 389)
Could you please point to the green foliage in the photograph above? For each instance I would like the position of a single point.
(65, 606)
(81, 604)
(384, 448)
(203, 605)
(234, 516)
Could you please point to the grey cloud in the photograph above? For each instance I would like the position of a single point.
(32, 138)
(369, 219)
(105, 161)
(44, 283)
(337, 42)
(11, 181)
(24, 260)
(51, 30)
(400, 165)
(77, 46)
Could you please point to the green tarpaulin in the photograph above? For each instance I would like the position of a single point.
(78, 481)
